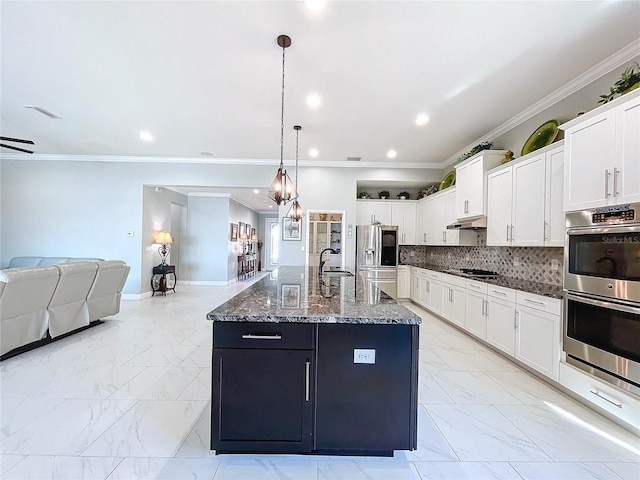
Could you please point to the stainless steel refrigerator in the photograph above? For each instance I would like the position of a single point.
(377, 259)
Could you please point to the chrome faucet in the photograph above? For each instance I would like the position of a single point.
(322, 262)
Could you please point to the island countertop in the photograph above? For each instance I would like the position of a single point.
(300, 295)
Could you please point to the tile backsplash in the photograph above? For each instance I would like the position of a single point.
(527, 263)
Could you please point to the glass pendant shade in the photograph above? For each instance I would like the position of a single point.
(282, 189)
(295, 213)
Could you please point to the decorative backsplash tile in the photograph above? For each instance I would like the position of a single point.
(526, 263)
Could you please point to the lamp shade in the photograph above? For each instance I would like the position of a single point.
(164, 238)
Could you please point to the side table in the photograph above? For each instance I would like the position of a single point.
(160, 284)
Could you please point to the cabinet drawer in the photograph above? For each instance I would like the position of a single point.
(479, 287)
(454, 280)
(502, 293)
(539, 302)
(622, 405)
(286, 336)
(433, 275)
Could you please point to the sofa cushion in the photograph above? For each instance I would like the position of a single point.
(23, 305)
(104, 296)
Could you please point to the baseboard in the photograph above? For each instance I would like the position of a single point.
(213, 283)
(135, 296)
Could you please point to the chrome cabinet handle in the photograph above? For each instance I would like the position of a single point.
(507, 233)
(499, 293)
(607, 174)
(262, 337)
(516, 320)
(511, 233)
(616, 172)
(444, 237)
(544, 233)
(487, 309)
(533, 301)
(307, 375)
(598, 394)
(424, 237)
(483, 308)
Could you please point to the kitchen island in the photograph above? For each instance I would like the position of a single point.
(308, 363)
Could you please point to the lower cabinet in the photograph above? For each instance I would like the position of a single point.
(501, 309)
(476, 315)
(538, 340)
(314, 388)
(454, 303)
(404, 281)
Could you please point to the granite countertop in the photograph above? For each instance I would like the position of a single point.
(544, 289)
(300, 295)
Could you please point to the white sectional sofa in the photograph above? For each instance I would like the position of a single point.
(44, 302)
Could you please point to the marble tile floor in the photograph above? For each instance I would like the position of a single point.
(129, 399)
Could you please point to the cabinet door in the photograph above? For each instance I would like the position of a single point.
(452, 237)
(475, 319)
(453, 304)
(627, 179)
(527, 225)
(432, 236)
(403, 214)
(404, 283)
(382, 212)
(499, 201)
(415, 287)
(589, 162)
(462, 182)
(435, 296)
(501, 324)
(425, 292)
(264, 400)
(422, 222)
(553, 210)
(538, 340)
(476, 188)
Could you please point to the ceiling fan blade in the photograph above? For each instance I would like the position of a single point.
(19, 140)
(16, 148)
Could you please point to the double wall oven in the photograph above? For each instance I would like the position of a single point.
(602, 294)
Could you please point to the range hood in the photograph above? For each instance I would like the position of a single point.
(479, 223)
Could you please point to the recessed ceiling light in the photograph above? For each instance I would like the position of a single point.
(422, 119)
(314, 152)
(256, 191)
(314, 100)
(315, 5)
(392, 154)
(146, 136)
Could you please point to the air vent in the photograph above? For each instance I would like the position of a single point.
(43, 111)
(354, 159)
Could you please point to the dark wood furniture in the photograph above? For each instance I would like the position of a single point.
(159, 279)
(247, 265)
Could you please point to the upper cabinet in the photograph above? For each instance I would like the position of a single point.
(471, 186)
(403, 214)
(438, 211)
(524, 201)
(370, 211)
(602, 149)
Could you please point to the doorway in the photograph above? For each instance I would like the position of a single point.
(271, 243)
(325, 230)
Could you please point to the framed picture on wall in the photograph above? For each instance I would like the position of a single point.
(253, 233)
(234, 232)
(291, 230)
(290, 296)
(240, 229)
(247, 230)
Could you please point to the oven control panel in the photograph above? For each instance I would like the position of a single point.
(618, 214)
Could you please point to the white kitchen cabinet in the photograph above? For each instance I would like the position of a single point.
(435, 292)
(471, 191)
(422, 221)
(554, 218)
(370, 211)
(476, 314)
(499, 207)
(501, 309)
(404, 281)
(538, 333)
(602, 149)
(441, 211)
(524, 201)
(453, 299)
(415, 284)
(403, 214)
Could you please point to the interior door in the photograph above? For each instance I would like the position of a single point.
(271, 244)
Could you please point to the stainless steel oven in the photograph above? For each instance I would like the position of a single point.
(603, 337)
(602, 294)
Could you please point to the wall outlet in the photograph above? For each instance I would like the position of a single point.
(555, 265)
(364, 355)
(412, 253)
(516, 261)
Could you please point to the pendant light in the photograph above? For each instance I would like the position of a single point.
(282, 189)
(295, 213)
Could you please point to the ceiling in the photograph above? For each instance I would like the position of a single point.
(206, 76)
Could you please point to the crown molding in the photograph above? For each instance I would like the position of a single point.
(214, 161)
(616, 60)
